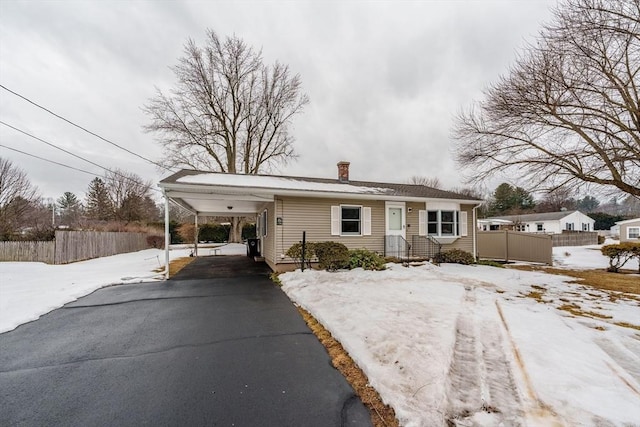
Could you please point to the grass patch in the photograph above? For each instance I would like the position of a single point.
(627, 325)
(381, 414)
(600, 279)
(176, 265)
(275, 278)
(577, 311)
(490, 263)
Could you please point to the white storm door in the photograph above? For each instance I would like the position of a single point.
(395, 230)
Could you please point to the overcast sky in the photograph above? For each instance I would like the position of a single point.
(385, 79)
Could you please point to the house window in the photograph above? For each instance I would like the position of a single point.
(520, 227)
(585, 227)
(539, 226)
(443, 223)
(633, 233)
(569, 226)
(350, 220)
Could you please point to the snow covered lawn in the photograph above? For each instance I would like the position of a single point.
(30, 289)
(483, 346)
(586, 257)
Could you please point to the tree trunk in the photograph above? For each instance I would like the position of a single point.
(235, 232)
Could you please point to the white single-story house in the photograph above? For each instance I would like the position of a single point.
(548, 222)
(391, 219)
(629, 230)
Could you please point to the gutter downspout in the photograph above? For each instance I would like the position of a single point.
(167, 236)
(475, 232)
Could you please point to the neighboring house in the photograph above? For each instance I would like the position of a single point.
(549, 222)
(390, 219)
(629, 230)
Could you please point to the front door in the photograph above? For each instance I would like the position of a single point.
(395, 234)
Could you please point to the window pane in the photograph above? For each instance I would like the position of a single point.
(395, 218)
(350, 213)
(447, 216)
(432, 216)
(350, 227)
(447, 229)
(432, 228)
(634, 232)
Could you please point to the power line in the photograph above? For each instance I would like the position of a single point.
(47, 160)
(84, 129)
(70, 153)
(54, 146)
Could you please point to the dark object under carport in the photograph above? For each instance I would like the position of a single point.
(253, 247)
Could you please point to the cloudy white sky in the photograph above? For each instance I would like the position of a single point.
(385, 79)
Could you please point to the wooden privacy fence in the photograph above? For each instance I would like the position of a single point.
(28, 251)
(515, 246)
(71, 246)
(575, 238)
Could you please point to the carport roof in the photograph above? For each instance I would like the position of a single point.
(223, 194)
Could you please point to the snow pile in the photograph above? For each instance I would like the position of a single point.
(30, 289)
(586, 257)
(475, 345)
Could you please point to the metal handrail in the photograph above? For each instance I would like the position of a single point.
(425, 247)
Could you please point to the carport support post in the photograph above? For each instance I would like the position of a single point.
(195, 236)
(167, 236)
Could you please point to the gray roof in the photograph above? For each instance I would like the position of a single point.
(546, 216)
(388, 189)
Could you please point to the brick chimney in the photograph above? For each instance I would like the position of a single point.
(343, 171)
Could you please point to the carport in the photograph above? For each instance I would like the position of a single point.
(209, 200)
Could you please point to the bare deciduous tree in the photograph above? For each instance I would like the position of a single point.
(17, 197)
(128, 194)
(568, 112)
(229, 112)
(433, 181)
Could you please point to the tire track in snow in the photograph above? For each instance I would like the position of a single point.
(481, 389)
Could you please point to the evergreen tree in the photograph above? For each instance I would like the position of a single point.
(588, 204)
(70, 208)
(99, 206)
(508, 199)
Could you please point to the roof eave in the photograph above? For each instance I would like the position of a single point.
(240, 190)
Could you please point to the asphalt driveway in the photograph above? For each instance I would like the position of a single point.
(219, 351)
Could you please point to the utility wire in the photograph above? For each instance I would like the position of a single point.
(47, 160)
(55, 146)
(68, 152)
(84, 129)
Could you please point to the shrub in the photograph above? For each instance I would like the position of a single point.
(331, 255)
(619, 254)
(216, 233)
(295, 252)
(454, 256)
(601, 239)
(155, 241)
(490, 263)
(365, 259)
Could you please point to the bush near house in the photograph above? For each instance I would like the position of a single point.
(363, 258)
(620, 254)
(454, 256)
(332, 255)
(295, 252)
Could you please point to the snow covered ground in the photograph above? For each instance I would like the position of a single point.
(483, 346)
(30, 289)
(586, 257)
